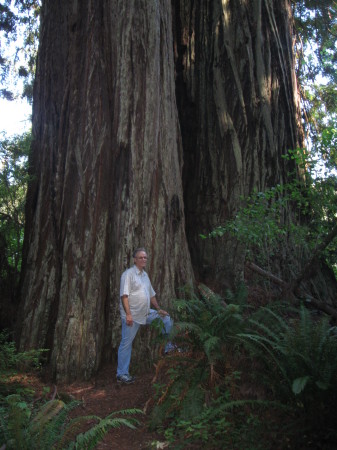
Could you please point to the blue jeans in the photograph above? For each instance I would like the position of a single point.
(128, 335)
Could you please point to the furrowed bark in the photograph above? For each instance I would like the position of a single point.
(107, 162)
(135, 128)
(239, 114)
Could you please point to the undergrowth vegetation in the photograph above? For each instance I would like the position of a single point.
(246, 378)
(43, 423)
(27, 426)
(297, 350)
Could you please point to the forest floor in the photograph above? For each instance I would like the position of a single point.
(102, 396)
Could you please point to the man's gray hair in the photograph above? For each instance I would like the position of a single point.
(139, 249)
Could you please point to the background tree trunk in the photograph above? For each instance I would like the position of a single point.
(107, 162)
(239, 114)
(107, 157)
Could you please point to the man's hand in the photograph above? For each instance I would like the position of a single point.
(129, 320)
(162, 312)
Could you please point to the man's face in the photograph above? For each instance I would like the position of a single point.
(141, 260)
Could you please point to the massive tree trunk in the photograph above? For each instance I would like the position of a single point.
(239, 114)
(108, 152)
(107, 163)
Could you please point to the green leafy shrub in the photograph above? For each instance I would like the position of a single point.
(12, 361)
(225, 424)
(285, 223)
(258, 224)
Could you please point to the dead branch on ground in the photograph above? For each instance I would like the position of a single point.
(292, 289)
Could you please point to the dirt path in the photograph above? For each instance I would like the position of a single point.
(103, 396)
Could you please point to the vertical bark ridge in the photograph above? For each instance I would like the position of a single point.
(236, 74)
(108, 164)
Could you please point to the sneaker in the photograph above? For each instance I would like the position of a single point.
(126, 379)
(170, 348)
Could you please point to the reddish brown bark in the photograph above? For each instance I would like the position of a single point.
(239, 114)
(109, 150)
(107, 168)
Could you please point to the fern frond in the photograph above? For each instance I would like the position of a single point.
(234, 404)
(125, 412)
(265, 351)
(187, 327)
(90, 438)
(212, 348)
(46, 413)
(51, 433)
(72, 430)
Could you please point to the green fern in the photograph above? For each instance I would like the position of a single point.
(52, 431)
(18, 415)
(293, 352)
(46, 413)
(90, 438)
(299, 361)
(207, 325)
(11, 359)
(209, 322)
(25, 427)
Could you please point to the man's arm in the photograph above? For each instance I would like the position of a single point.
(125, 303)
(160, 311)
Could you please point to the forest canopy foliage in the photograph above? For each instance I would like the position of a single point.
(13, 187)
(316, 55)
(19, 35)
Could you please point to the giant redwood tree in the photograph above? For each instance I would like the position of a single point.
(239, 114)
(151, 118)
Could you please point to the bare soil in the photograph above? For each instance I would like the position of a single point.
(104, 395)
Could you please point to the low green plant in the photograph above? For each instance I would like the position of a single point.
(208, 323)
(287, 357)
(12, 360)
(89, 439)
(226, 424)
(26, 425)
(195, 405)
(8, 353)
(208, 416)
(297, 351)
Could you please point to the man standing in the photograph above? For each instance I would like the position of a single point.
(136, 295)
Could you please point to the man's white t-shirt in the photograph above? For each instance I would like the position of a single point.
(137, 286)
